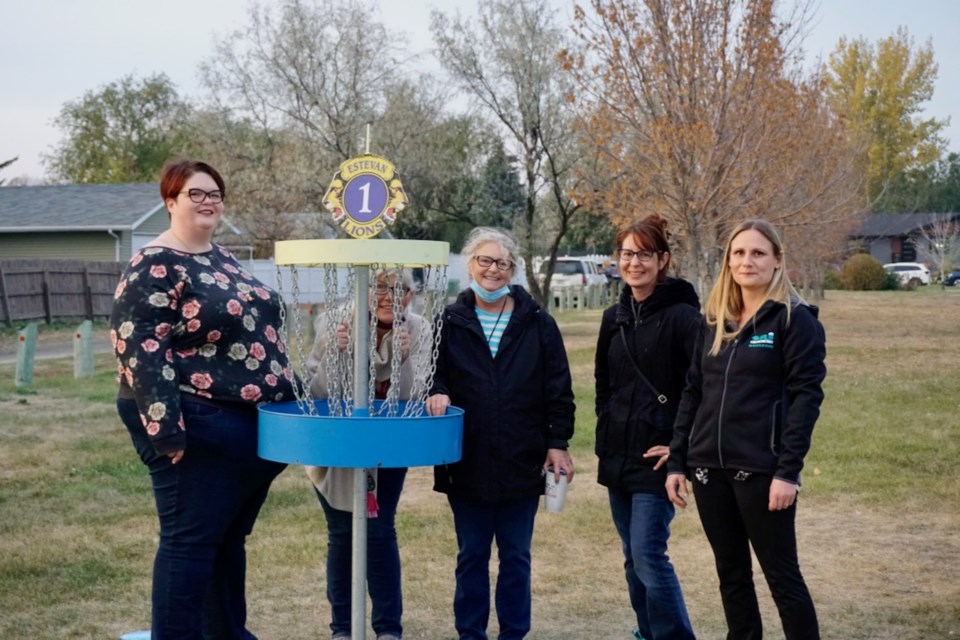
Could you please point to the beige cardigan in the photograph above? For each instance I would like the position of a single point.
(336, 483)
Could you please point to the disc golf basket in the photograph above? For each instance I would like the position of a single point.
(349, 427)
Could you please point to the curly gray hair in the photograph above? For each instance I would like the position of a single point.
(482, 235)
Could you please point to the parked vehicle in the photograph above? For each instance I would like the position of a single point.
(911, 274)
(952, 279)
(574, 272)
(612, 273)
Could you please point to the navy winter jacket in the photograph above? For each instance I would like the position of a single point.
(516, 405)
(753, 406)
(659, 335)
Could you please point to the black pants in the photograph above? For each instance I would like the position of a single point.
(735, 516)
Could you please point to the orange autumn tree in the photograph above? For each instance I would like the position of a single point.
(699, 110)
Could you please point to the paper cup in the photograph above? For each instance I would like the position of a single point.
(555, 494)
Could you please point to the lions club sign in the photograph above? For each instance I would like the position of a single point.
(365, 196)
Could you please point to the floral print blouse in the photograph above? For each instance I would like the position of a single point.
(195, 323)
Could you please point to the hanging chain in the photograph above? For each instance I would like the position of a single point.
(435, 298)
(400, 326)
(304, 396)
(331, 358)
(337, 365)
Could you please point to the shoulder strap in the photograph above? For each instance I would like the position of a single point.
(662, 399)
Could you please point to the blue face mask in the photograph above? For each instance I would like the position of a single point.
(489, 296)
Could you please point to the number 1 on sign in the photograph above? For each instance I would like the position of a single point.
(366, 198)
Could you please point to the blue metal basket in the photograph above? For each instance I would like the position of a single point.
(288, 435)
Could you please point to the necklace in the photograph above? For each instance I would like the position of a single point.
(497, 323)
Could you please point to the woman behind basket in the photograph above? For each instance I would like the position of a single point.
(745, 422)
(397, 330)
(501, 360)
(644, 349)
(198, 346)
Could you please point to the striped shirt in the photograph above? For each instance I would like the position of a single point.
(493, 325)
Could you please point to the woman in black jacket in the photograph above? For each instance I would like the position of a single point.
(501, 360)
(643, 352)
(744, 425)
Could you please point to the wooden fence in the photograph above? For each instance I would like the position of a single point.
(56, 289)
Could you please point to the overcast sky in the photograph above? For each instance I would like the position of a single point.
(53, 51)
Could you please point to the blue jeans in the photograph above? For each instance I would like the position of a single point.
(206, 504)
(733, 511)
(643, 522)
(477, 524)
(383, 560)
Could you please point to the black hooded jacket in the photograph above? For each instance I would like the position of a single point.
(516, 405)
(660, 334)
(752, 407)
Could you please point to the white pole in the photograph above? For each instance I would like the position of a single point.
(361, 376)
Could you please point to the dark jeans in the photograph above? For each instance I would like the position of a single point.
(206, 504)
(478, 524)
(735, 516)
(383, 560)
(643, 522)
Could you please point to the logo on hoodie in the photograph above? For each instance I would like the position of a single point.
(762, 341)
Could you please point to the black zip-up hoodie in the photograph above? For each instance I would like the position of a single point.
(753, 406)
(516, 405)
(659, 335)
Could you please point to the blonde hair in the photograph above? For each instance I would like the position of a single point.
(726, 299)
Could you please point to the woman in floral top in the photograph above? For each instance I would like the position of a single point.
(198, 343)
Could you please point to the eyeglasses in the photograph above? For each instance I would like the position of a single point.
(384, 289)
(486, 261)
(644, 255)
(199, 195)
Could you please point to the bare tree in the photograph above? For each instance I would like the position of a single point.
(5, 164)
(939, 241)
(293, 93)
(700, 111)
(507, 62)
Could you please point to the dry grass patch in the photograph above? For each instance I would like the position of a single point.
(877, 517)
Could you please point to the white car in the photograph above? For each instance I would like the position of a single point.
(574, 272)
(910, 274)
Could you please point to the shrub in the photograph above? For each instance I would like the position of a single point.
(831, 279)
(863, 272)
(892, 283)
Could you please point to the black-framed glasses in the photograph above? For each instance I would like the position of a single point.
(644, 255)
(383, 289)
(486, 261)
(199, 195)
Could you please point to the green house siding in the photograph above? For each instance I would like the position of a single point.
(75, 245)
(155, 224)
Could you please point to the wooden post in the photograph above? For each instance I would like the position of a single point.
(26, 349)
(87, 294)
(47, 304)
(83, 350)
(5, 300)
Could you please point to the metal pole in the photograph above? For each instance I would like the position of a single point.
(361, 375)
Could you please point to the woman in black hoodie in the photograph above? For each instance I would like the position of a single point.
(744, 426)
(644, 349)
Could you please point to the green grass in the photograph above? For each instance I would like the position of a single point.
(877, 519)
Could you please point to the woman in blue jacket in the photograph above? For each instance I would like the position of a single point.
(744, 425)
(501, 360)
(643, 352)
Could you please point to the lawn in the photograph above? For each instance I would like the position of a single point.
(877, 519)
